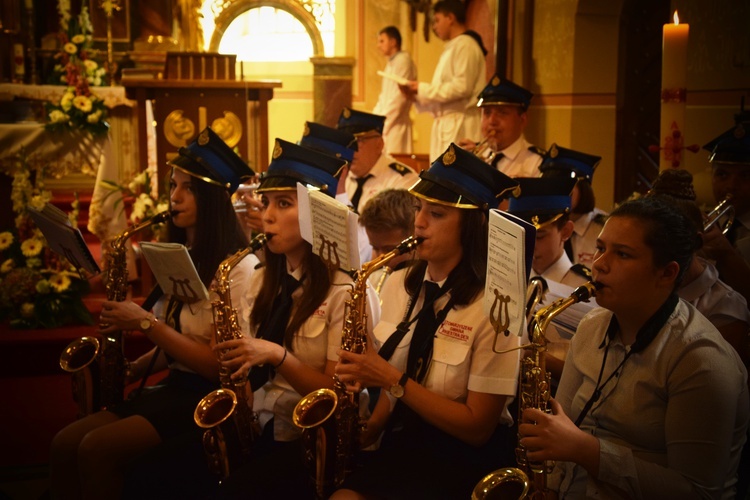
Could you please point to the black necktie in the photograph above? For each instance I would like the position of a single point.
(420, 350)
(496, 160)
(274, 327)
(358, 192)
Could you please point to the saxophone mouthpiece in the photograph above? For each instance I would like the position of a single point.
(258, 242)
(408, 244)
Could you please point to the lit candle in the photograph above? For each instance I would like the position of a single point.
(673, 93)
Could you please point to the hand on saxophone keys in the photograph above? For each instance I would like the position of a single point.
(240, 355)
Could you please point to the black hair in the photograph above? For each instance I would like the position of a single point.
(586, 197)
(218, 232)
(454, 7)
(669, 233)
(394, 33)
(316, 283)
(468, 277)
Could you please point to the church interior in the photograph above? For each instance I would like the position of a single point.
(256, 70)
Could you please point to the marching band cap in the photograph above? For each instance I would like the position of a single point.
(293, 163)
(358, 122)
(543, 200)
(460, 179)
(733, 146)
(329, 140)
(568, 161)
(502, 91)
(210, 159)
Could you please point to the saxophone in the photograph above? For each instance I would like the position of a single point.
(329, 419)
(235, 398)
(98, 366)
(530, 479)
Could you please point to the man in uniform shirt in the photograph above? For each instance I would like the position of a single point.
(504, 108)
(458, 78)
(392, 102)
(588, 220)
(371, 169)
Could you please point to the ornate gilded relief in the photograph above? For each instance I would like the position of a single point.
(178, 129)
(229, 128)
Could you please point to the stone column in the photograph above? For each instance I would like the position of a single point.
(332, 87)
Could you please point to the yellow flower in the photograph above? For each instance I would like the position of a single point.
(90, 65)
(27, 310)
(7, 266)
(43, 287)
(70, 48)
(67, 101)
(83, 103)
(60, 282)
(78, 39)
(94, 117)
(6, 239)
(31, 247)
(57, 116)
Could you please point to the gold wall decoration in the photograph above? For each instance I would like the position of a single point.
(178, 129)
(229, 128)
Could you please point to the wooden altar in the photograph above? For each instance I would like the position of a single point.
(237, 110)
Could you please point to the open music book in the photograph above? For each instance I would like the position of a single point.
(509, 253)
(330, 227)
(63, 238)
(174, 271)
(567, 321)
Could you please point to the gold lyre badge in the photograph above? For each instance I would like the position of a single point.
(499, 318)
(347, 113)
(495, 81)
(306, 132)
(328, 253)
(203, 138)
(277, 150)
(553, 152)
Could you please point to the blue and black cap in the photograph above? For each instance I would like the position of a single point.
(543, 200)
(329, 140)
(293, 163)
(359, 122)
(210, 159)
(569, 163)
(733, 146)
(460, 179)
(501, 91)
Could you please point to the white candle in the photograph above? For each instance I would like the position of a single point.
(673, 93)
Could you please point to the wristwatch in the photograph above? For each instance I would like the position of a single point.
(147, 323)
(397, 389)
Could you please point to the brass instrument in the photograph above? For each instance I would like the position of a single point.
(235, 398)
(98, 366)
(725, 211)
(329, 419)
(482, 146)
(533, 392)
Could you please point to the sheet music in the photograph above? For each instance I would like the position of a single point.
(505, 288)
(398, 79)
(330, 227)
(174, 271)
(567, 321)
(63, 238)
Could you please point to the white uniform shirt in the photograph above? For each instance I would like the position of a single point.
(316, 342)
(583, 240)
(383, 177)
(742, 239)
(451, 97)
(519, 161)
(560, 272)
(462, 357)
(395, 106)
(715, 299)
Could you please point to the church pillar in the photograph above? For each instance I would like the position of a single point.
(332, 87)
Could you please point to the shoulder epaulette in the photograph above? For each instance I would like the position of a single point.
(581, 270)
(537, 150)
(600, 219)
(400, 168)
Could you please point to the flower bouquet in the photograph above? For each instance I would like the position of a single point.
(38, 288)
(79, 107)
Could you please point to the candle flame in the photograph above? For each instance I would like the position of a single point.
(676, 18)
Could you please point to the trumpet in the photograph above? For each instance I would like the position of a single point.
(482, 146)
(723, 211)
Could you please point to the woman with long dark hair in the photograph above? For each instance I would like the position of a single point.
(89, 457)
(653, 402)
(445, 393)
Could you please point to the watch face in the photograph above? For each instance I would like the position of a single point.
(396, 390)
(145, 324)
